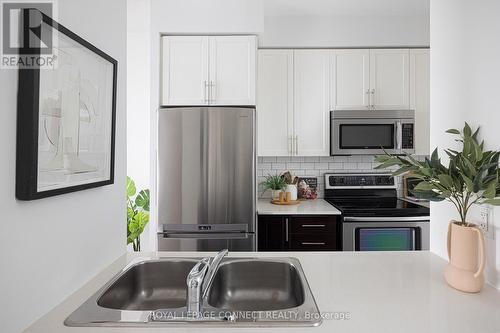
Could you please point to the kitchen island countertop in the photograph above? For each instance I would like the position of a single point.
(390, 292)
(306, 207)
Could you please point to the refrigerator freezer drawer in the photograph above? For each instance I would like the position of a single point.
(206, 242)
(208, 235)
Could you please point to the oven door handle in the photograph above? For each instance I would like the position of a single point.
(387, 219)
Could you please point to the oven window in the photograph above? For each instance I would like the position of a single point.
(366, 136)
(385, 239)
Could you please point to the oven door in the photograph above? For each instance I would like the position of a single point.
(385, 234)
(365, 136)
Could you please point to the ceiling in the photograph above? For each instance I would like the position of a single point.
(346, 7)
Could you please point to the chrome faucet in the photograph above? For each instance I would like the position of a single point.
(200, 279)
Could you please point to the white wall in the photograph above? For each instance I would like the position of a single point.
(345, 31)
(138, 100)
(465, 67)
(51, 247)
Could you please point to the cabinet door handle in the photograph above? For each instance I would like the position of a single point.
(296, 145)
(211, 94)
(290, 145)
(313, 225)
(205, 93)
(286, 230)
(368, 99)
(313, 243)
(372, 92)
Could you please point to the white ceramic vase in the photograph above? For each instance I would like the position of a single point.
(293, 191)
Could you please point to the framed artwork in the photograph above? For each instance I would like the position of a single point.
(66, 118)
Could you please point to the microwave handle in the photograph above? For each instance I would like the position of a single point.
(399, 135)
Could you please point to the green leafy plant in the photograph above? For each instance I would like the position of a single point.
(137, 213)
(274, 182)
(472, 175)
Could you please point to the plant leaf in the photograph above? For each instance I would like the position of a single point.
(445, 180)
(453, 131)
(467, 130)
(130, 187)
(494, 202)
(423, 187)
(142, 200)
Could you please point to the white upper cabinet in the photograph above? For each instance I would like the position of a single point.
(311, 102)
(208, 70)
(275, 102)
(185, 70)
(420, 98)
(232, 70)
(389, 79)
(350, 76)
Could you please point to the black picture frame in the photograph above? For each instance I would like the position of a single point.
(28, 116)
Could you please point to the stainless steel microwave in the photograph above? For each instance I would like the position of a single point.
(361, 132)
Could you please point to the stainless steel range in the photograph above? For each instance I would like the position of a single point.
(374, 218)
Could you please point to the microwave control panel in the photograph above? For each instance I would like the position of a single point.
(408, 132)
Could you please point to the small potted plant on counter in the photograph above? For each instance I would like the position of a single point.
(276, 184)
(471, 177)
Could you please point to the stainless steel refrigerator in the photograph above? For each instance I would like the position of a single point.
(206, 179)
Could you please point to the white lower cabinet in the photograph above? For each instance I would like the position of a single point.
(293, 103)
(420, 98)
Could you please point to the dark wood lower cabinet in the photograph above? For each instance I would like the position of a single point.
(299, 233)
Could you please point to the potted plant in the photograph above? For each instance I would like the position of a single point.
(137, 214)
(275, 183)
(471, 177)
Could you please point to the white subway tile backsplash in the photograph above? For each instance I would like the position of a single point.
(364, 166)
(341, 158)
(293, 165)
(307, 165)
(279, 166)
(269, 159)
(313, 166)
(311, 173)
(350, 166)
(335, 166)
(264, 166)
(321, 165)
(282, 159)
(311, 159)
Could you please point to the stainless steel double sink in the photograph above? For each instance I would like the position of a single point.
(245, 291)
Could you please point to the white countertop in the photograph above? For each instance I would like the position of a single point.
(386, 292)
(306, 207)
